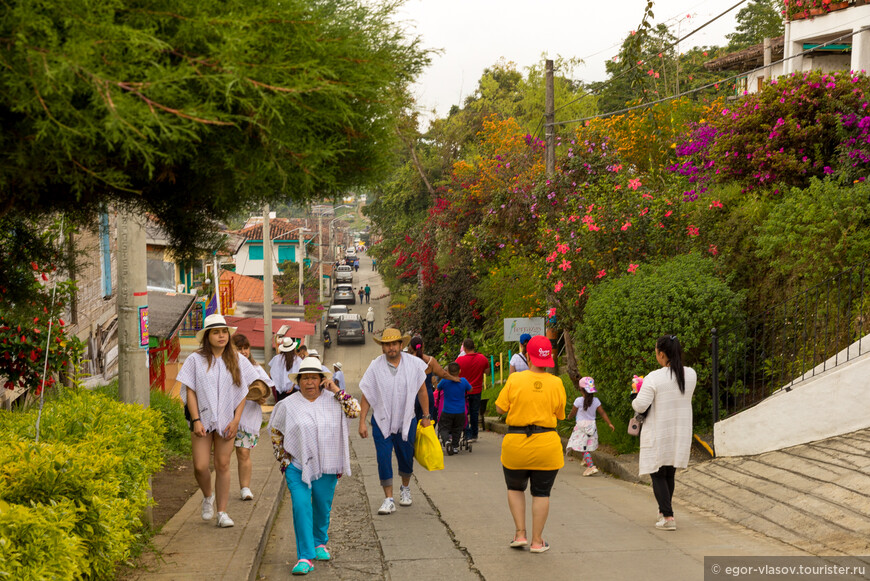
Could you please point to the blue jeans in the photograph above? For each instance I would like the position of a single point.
(311, 508)
(473, 415)
(384, 447)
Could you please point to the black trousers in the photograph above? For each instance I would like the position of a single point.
(450, 426)
(663, 488)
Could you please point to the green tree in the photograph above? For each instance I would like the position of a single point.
(758, 20)
(191, 110)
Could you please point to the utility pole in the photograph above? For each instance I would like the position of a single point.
(267, 286)
(300, 259)
(550, 106)
(133, 318)
(320, 249)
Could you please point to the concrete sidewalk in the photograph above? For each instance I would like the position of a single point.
(192, 549)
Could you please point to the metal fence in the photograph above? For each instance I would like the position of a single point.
(791, 342)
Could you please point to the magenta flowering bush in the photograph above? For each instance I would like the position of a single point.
(802, 126)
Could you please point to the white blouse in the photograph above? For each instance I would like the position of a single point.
(217, 395)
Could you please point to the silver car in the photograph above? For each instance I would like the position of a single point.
(344, 294)
(344, 273)
(335, 313)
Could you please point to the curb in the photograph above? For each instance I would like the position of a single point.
(622, 467)
(263, 521)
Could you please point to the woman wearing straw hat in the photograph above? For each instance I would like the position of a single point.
(216, 380)
(310, 436)
(252, 418)
(390, 386)
(282, 365)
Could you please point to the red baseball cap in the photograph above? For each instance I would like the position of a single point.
(540, 352)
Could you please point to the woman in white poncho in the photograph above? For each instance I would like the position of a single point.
(310, 436)
(215, 380)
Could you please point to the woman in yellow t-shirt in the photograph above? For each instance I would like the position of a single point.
(532, 450)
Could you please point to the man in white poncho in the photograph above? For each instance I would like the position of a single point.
(389, 387)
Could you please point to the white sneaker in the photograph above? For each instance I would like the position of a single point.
(208, 508)
(388, 507)
(224, 520)
(404, 496)
(246, 493)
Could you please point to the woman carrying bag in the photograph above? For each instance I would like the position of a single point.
(666, 437)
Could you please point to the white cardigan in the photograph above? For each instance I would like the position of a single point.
(666, 437)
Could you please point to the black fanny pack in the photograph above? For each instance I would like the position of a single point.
(529, 430)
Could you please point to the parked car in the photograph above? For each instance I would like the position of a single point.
(334, 313)
(344, 273)
(350, 329)
(343, 294)
(350, 253)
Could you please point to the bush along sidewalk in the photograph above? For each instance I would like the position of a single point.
(70, 503)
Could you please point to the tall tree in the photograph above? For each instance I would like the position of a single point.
(758, 20)
(189, 109)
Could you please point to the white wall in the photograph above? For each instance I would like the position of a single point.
(826, 28)
(795, 417)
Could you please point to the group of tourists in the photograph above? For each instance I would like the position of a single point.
(310, 433)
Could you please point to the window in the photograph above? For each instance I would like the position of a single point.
(286, 252)
(255, 252)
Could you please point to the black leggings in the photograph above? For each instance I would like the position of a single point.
(663, 488)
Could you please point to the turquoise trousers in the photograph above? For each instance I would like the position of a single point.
(311, 508)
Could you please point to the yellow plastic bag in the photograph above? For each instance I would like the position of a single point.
(427, 448)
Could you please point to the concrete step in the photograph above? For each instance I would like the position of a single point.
(813, 496)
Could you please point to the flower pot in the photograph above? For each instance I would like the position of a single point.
(552, 334)
(837, 6)
(816, 11)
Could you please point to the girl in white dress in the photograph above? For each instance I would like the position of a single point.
(215, 380)
(252, 419)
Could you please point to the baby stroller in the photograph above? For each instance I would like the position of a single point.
(464, 444)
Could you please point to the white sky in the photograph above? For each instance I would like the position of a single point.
(474, 34)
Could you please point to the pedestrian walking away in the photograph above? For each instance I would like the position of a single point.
(338, 377)
(361, 294)
(389, 386)
(374, 264)
(531, 451)
(451, 420)
(666, 436)
(368, 291)
(252, 418)
(519, 361)
(215, 379)
(472, 366)
(309, 433)
(285, 362)
(370, 319)
(584, 438)
(432, 368)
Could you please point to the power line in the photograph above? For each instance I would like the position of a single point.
(698, 89)
(635, 65)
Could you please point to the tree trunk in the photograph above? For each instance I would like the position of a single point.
(416, 162)
(573, 372)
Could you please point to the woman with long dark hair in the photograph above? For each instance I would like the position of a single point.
(215, 380)
(666, 437)
(415, 347)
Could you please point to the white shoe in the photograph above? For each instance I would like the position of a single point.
(208, 508)
(404, 496)
(246, 493)
(224, 520)
(388, 507)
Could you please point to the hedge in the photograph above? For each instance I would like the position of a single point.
(85, 481)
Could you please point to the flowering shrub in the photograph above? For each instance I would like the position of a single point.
(796, 9)
(805, 125)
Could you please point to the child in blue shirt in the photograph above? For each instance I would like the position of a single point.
(451, 421)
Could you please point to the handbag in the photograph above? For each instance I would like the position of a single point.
(635, 424)
(427, 448)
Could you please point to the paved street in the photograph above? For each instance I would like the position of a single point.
(459, 525)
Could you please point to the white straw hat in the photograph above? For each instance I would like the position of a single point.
(309, 365)
(213, 322)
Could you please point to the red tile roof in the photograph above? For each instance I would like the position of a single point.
(252, 328)
(247, 289)
(279, 227)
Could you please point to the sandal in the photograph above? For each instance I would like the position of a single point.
(519, 541)
(543, 548)
(303, 567)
